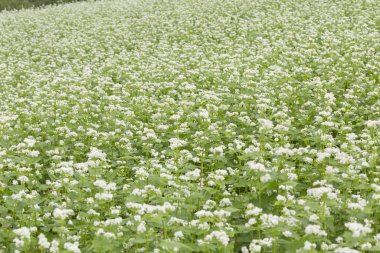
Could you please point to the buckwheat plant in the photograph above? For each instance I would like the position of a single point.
(191, 126)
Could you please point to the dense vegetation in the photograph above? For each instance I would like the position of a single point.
(191, 126)
(20, 4)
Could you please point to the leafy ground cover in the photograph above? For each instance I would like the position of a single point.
(22, 4)
(191, 126)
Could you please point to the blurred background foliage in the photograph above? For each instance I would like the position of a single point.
(20, 4)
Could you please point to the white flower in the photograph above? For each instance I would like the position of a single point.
(251, 222)
(178, 235)
(62, 213)
(176, 143)
(356, 206)
(252, 210)
(377, 239)
(19, 243)
(330, 96)
(23, 179)
(266, 178)
(96, 153)
(203, 113)
(315, 230)
(30, 141)
(265, 124)
(256, 166)
(269, 220)
(23, 232)
(104, 185)
(313, 218)
(225, 202)
(358, 229)
(54, 248)
(141, 227)
(244, 250)
(191, 175)
(366, 246)
(319, 192)
(73, 247)
(43, 241)
(253, 247)
(309, 246)
(104, 196)
(218, 150)
(34, 153)
(203, 213)
(373, 123)
(220, 236)
(109, 235)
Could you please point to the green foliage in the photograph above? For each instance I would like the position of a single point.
(23, 4)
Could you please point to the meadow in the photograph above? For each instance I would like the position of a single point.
(191, 126)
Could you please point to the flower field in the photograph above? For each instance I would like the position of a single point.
(191, 126)
(23, 4)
